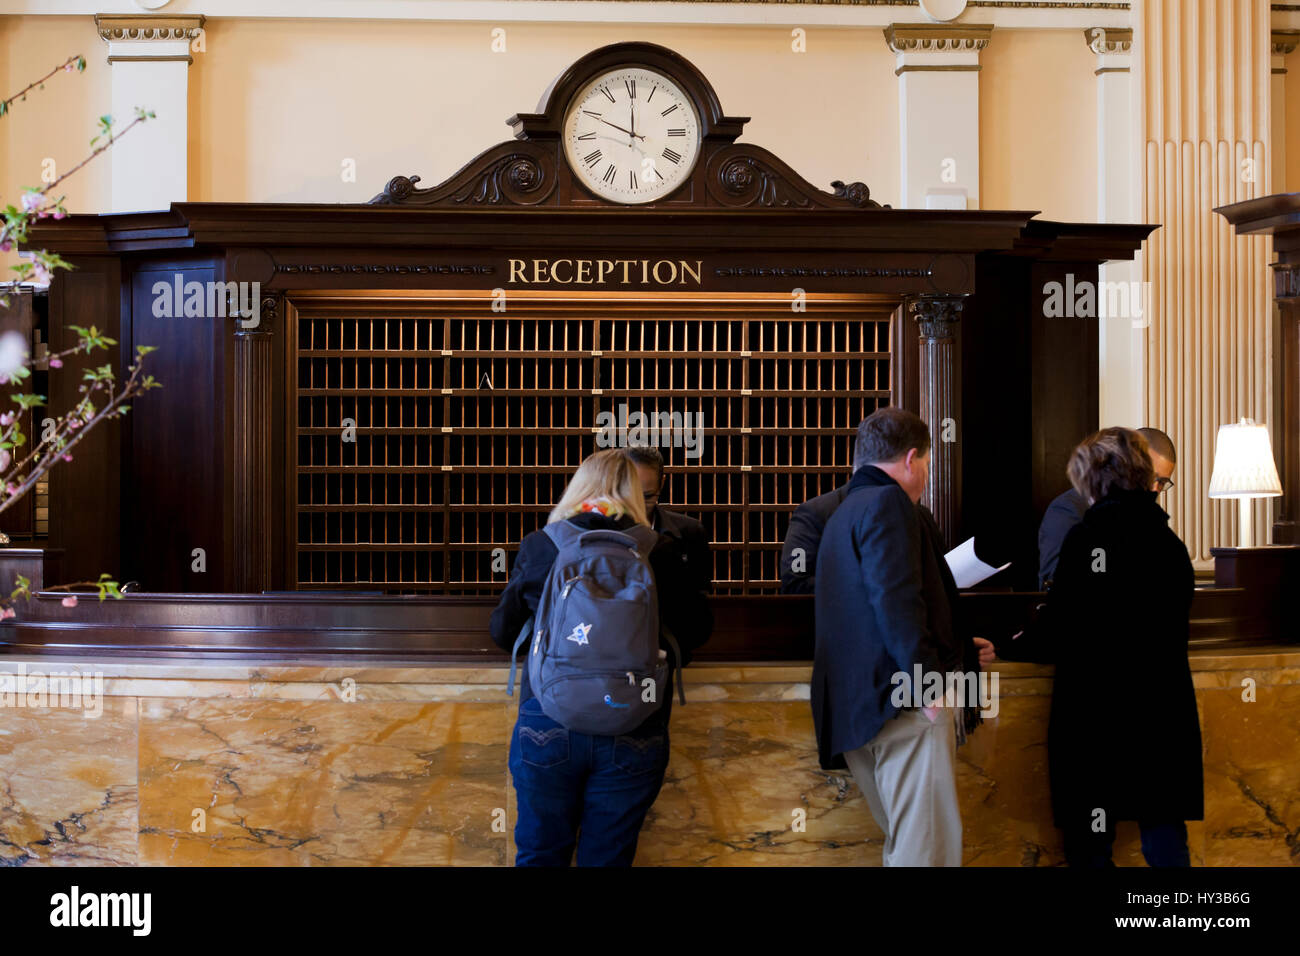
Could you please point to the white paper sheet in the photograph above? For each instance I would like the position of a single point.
(968, 570)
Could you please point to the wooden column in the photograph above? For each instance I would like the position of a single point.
(940, 394)
(252, 450)
(1286, 433)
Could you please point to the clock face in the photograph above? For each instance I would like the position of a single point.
(631, 135)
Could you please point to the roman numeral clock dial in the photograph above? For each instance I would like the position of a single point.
(631, 136)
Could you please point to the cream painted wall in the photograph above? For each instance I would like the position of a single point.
(1292, 120)
(56, 122)
(1038, 124)
(278, 105)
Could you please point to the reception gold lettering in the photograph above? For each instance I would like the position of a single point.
(602, 271)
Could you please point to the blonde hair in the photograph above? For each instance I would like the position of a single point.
(608, 474)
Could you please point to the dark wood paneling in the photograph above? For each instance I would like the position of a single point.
(85, 493)
(769, 628)
(176, 497)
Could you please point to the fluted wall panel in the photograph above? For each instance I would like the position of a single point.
(1204, 66)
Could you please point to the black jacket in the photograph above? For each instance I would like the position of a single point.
(683, 609)
(885, 601)
(691, 543)
(1117, 611)
(1065, 511)
(805, 532)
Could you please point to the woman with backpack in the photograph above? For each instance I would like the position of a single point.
(592, 607)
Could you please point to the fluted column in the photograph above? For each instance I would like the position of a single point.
(254, 532)
(1203, 71)
(940, 393)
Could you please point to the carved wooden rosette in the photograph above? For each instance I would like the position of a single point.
(253, 399)
(940, 361)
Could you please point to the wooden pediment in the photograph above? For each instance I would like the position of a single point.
(532, 170)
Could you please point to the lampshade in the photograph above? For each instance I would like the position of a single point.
(1243, 463)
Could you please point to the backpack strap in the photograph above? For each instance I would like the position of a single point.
(514, 655)
(561, 532)
(677, 659)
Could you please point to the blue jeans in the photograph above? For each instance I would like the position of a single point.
(582, 789)
(1163, 844)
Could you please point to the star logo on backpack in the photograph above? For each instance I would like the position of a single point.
(579, 635)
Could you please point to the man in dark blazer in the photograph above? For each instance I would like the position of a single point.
(1066, 510)
(688, 535)
(802, 539)
(885, 605)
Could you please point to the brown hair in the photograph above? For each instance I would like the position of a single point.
(887, 434)
(1113, 459)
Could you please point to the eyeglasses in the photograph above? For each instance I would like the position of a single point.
(1163, 484)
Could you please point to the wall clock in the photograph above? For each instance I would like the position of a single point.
(631, 135)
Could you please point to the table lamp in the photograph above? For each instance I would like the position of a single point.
(1244, 469)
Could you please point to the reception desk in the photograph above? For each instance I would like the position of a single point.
(317, 763)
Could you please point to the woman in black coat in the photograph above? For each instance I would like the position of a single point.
(1124, 740)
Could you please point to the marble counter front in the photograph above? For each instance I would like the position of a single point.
(318, 764)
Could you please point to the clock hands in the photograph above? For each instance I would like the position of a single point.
(615, 125)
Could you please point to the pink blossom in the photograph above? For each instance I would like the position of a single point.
(6, 246)
(7, 612)
(8, 418)
(67, 458)
(67, 67)
(40, 273)
(59, 214)
(55, 363)
(31, 201)
(5, 458)
(70, 601)
(11, 488)
(74, 423)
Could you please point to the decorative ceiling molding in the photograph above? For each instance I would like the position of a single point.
(130, 26)
(938, 37)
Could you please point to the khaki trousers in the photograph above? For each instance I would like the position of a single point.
(906, 773)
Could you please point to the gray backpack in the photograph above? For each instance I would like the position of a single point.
(595, 665)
